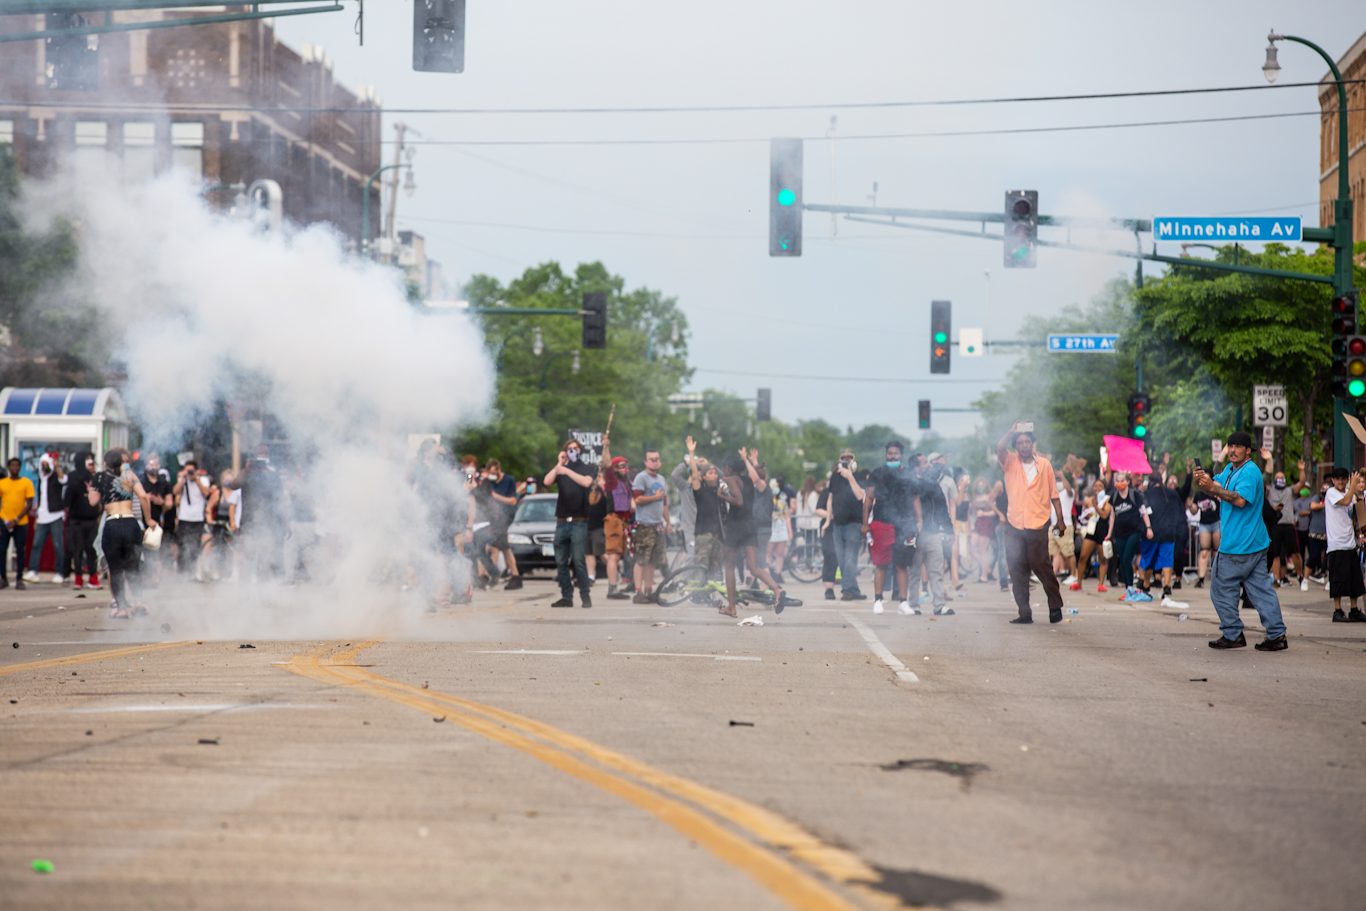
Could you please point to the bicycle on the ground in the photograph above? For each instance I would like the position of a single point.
(691, 584)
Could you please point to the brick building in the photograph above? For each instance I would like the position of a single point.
(226, 101)
(1353, 66)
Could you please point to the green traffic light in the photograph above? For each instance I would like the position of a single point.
(1140, 431)
(1356, 388)
(786, 197)
(940, 338)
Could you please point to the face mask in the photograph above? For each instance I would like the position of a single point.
(773, 486)
(891, 464)
(1305, 492)
(1280, 483)
(853, 466)
(572, 454)
(89, 464)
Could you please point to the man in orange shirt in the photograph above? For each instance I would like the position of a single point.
(16, 499)
(1031, 493)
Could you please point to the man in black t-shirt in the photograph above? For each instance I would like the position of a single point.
(160, 497)
(846, 506)
(572, 479)
(265, 517)
(891, 511)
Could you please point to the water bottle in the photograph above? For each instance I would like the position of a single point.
(1073, 610)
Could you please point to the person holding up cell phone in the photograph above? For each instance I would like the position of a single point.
(1033, 495)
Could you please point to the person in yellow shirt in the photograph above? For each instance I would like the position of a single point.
(16, 499)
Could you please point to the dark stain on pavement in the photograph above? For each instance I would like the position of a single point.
(963, 770)
(919, 889)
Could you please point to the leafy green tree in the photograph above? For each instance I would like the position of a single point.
(539, 396)
(1227, 332)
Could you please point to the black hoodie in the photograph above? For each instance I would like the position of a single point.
(77, 498)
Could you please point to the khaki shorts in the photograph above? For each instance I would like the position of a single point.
(1065, 545)
(649, 543)
(614, 533)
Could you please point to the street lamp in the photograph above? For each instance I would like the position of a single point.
(1343, 438)
(650, 337)
(409, 185)
(536, 345)
(365, 202)
(573, 366)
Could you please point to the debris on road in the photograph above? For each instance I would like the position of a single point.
(1199, 680)
(244, 645)
(1180, 617)
(210, 741)
(42, 866)
(90, 733)
(16, 645)
(756, 620)
(440, 719)
(424, 684)
(662, 623)
(165, 627)
(963, 770)
(741, 724)
(1073, 610)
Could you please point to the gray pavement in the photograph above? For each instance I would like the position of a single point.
(1110, 761)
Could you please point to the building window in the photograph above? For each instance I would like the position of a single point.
(92, 142)
(187, 147)
(139, 152)
(6, 132)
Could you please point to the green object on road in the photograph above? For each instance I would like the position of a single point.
(42, 866)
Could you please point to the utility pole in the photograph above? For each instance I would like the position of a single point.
(400, 128)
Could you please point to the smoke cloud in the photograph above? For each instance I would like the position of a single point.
(199, 307)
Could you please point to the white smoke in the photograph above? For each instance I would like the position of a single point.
(195, 303)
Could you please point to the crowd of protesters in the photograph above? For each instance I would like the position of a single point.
(926, 527)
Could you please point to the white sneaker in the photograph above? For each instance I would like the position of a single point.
(1325, 588)
(1071, 580)
(57, 579)
(30, 576)
(877, 606)
(906, 610)
(1169, 601)
(1304, 585)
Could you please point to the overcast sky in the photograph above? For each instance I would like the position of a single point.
(691, 219)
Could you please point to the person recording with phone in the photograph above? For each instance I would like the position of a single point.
(846, 503)
(1033, 496)
(572, 477)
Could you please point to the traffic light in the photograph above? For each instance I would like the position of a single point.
(763, 405)
(594, 319)
(1021, 228)
(1139, 406)
(941, 320)
(924, 414)
(439, 36)
(1349, 349)
(785, 198)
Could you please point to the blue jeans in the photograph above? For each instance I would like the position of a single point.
(17, 535)
(570, 541)
(1231, 572)
(40, 534)
(1002, 565)
(848, 540)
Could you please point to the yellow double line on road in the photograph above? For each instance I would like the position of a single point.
(781, 860)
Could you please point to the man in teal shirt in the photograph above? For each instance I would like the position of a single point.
(1241, 561)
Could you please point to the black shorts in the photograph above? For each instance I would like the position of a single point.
(1285, 543)
(597, 542)
(1344, 574)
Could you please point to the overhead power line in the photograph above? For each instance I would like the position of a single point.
(735, 108)
(842, 379)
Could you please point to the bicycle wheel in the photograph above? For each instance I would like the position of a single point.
(680, 585)
(806, 562)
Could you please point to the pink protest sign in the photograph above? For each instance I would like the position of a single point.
(1127, 455)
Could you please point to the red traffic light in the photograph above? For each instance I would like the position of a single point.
(1356, 346)
(1140, 406)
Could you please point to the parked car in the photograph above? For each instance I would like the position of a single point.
(532, 532)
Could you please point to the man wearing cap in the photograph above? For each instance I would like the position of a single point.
(846, 517)
(1241, 560)
(1033, 496)
(616, 483)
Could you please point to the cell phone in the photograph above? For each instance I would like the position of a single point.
(1198, 465)
(1024, 427)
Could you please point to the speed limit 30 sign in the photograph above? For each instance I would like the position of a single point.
(1269, 407)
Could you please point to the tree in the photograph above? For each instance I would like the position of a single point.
(1232, 331)
(529, 423)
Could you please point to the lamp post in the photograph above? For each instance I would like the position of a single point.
(1343, 439)
(650, 338)
(365, 202)
(537, 346)
(573, 367)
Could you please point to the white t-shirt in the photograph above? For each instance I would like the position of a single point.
(1338, 520)
(1066, 499)
(235, 500)
(192, 502)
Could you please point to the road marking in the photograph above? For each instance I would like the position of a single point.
(527, 651)
(88, 656)
(687, 655)
(874, 643)
(640, 784)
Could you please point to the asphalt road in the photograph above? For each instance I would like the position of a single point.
(511, 755)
